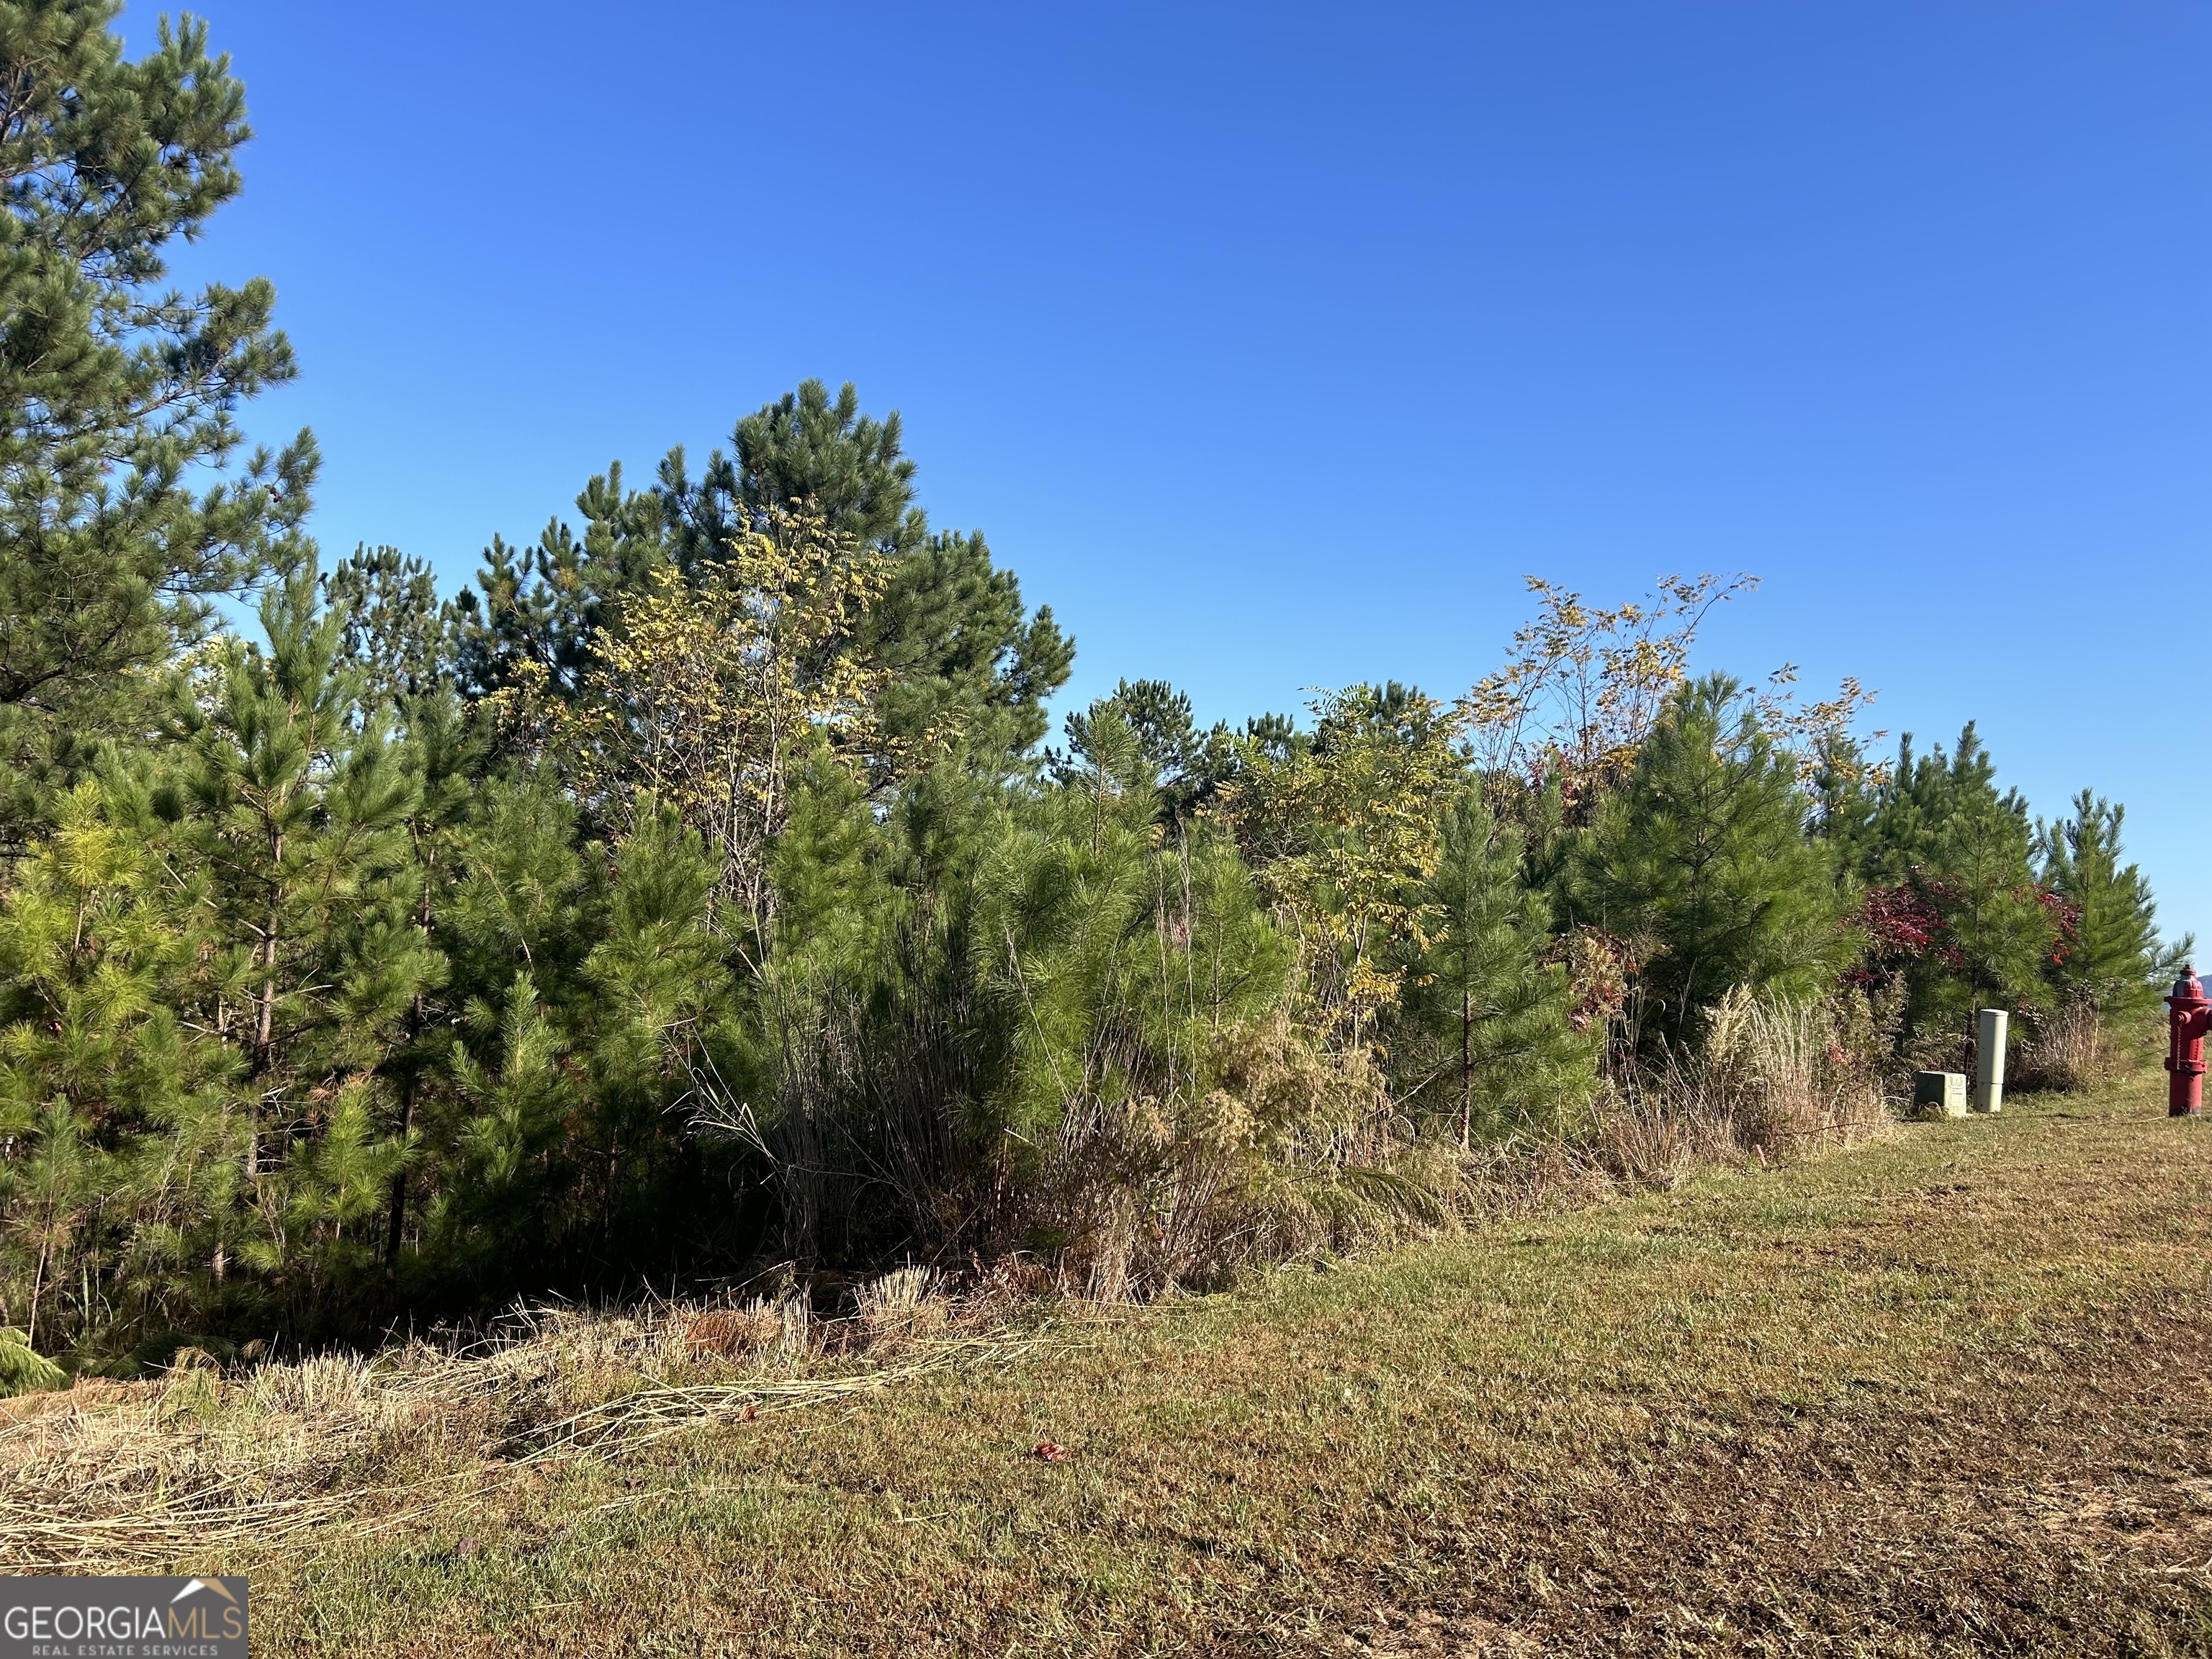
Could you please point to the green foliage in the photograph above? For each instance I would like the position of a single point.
(695, 889)
(804, 450)
(395, 624)
(1344, 830)
(124, 1103)
(541, 608)
(295, 809)
(963, 664)
(1145, 731)
(961, 655)
(964, 660)
(2109, 956)
(1940, 828)
(1113, 956)
(125, 506)
(209, 964)
(1701, 861)
(508, 1154)
(23, 1370)
(1490, 1041)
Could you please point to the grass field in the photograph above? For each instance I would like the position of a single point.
(1946, 1393)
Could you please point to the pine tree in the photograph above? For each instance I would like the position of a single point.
(116, 397)
(960, 652)
(804, 452)
(517, 897)
(510, 1159)
(492, 1065)
(963, 661)
(1941, 832)
(541, 608)
(1502, 1049)
(102, 1084)
(950, 628)
(655, 975)
(221, 944)
(1184, 766)
(1113, 956)
(295, 812)
(2110, 956)
(1701, 858)
(396, 626)
(443, 752)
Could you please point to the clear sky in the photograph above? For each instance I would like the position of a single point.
(1272, 345)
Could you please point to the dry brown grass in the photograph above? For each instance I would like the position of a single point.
(108, 1473)
(2069, 1051)
(1774, 1080)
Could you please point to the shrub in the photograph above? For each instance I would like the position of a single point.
(23, 1370)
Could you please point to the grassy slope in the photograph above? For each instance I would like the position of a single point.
(1943, 1394)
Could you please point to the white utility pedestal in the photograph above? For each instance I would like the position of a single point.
(1989, 1058)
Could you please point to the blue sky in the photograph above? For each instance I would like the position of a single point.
(1272, 345)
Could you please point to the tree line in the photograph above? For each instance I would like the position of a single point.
(707, 885)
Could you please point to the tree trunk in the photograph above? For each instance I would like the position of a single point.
(398, 1220)
(1466, 1066)
(264, 1026)
(416, 1017)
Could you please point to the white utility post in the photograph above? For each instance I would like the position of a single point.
(1989, 1058)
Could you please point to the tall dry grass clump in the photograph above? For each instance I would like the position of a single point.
(2066, 1052)
(901, 1305)
(1773, 1078)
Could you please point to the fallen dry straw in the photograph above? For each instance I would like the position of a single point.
(652, 1414)
(200, 1521)
(132, 1475)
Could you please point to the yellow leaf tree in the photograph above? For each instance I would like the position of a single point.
(1345, 831)
(713, 692)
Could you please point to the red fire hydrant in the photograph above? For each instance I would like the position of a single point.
(2186, 1026)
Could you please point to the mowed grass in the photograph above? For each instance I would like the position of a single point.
(1946, 1393)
